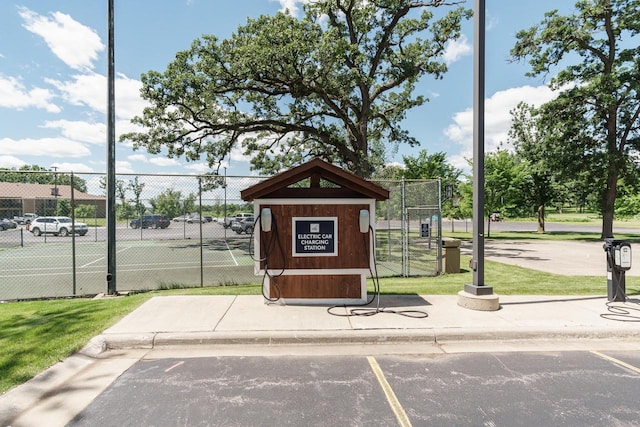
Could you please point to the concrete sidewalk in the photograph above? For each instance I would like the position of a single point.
(185, 320)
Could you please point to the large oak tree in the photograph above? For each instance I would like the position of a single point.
(335, 84)
(595, 123)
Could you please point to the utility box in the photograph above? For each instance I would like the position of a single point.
(313, 240)
(451, 255)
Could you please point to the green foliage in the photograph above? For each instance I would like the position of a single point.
(136, 187)
(505, 178)
(63, 207)
(85, 211)
(428, 166)
(335, 84)
(628, 207)
(594, 121)
(529, 138)
(25, 174)
(171, 203)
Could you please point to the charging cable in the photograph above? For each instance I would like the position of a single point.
(620, 313)
(358, 310)
(269, 248)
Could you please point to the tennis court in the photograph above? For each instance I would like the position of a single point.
(47, 270)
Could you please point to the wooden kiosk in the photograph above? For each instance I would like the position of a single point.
(320, 221)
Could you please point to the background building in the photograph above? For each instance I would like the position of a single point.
(16, 199)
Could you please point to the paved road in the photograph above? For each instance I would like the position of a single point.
(568, 258)
(532, 226)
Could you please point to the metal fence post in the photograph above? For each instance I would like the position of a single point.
(404, 225)
(440, 226)
(73, 233)
(200, 222)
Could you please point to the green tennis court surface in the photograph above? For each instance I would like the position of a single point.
(47, 270)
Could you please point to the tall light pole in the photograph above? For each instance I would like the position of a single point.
(478, 146)
(111, 161)
(477, 295)
(224, 219)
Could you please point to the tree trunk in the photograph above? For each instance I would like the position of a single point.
(609, 198)
(541, 219)
(488, 226)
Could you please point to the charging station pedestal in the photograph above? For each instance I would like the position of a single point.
(618, 254)
(313, 242)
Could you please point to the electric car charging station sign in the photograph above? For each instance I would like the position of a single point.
(315, 236)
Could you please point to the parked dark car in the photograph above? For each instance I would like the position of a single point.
(151, 221)
(6, 223)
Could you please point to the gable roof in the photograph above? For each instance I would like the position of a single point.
(349, 185)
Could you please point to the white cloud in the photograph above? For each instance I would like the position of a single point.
(11, 162)
(72, 167)
(72, 42)
(84, 89)
(455, 49)
(47, 147)
(163, 161)
(92, 133)
(128, 100)
(203, 167)
(292, 5)
(123, 167)
(13, 94)
(91, 90)
(138, 158)
(497, 120)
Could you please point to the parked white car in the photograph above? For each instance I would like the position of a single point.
(190, 219)
(57, 225)
(25, 219)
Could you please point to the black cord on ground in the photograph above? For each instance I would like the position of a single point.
(621, 313)
(356, 310)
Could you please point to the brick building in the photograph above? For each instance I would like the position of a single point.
(16, 199)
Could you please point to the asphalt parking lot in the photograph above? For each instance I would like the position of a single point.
(515, 389)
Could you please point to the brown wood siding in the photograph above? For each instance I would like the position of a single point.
(321, 286)
(353, 246)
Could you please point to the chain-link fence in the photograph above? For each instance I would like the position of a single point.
(172, 231)
(409, 228)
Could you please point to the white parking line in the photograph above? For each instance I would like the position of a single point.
(617, 361)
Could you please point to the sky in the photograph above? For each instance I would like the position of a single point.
(53, 78)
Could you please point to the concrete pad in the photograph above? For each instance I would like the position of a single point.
(550, 312)
(250, 313)
(490, 302)
(444, 311)
(174, 314)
